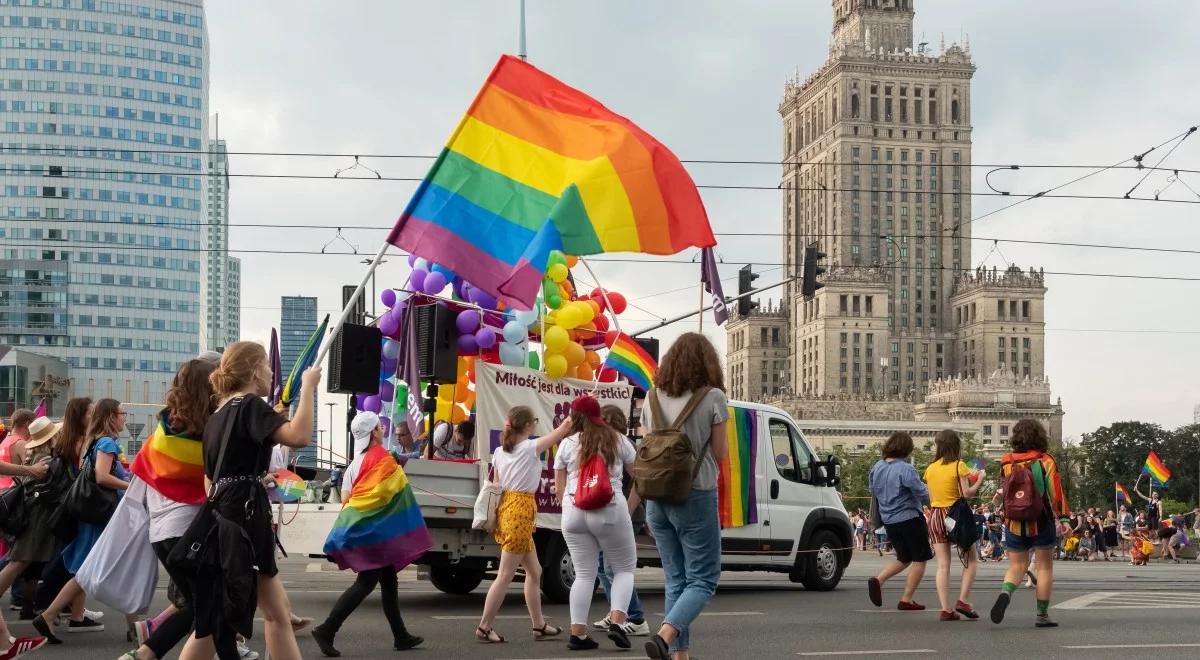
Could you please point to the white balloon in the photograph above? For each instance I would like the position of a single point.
(512, 355)
(391, 349)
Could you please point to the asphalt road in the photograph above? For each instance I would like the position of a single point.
(1106, 610)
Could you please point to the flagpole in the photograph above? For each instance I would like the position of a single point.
(327, 341)
(700, 316)
(521, 52)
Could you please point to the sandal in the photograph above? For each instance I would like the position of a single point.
(545, 632)
(489, 636)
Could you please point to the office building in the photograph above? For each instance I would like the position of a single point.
(297, 323)
(221, 293)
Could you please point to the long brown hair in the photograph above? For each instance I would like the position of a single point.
(104, 420)
(947, 446)
(520, 419)
(240, 364)
(690, 364)
(594, 439)
(71, 436)
(190, 399)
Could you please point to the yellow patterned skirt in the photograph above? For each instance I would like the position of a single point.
(515, 524)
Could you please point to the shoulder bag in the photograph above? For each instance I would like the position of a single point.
(86, 500)
(14, 512)
(961, 527)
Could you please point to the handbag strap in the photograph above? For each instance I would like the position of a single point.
(226, 432)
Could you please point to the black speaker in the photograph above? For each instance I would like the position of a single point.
(437, 348)
(358, 315)
(354, 359)
(650, 345)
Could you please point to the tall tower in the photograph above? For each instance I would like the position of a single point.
(877, 148)
(220, 293)
(297, 322)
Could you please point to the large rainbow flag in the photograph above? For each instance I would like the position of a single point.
(737, 500)
(1156, 470)
(381, 525)
(172, 464)
(535, 166)
(632, 361)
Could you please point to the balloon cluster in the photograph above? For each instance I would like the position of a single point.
(575, 326)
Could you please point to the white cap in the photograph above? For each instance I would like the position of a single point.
(361, 427)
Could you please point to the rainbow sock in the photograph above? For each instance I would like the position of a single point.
(1042, 606)
(1008, 588)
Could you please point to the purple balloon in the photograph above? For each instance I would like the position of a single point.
(459, 289)
(388, 325)
(360, 401)
(372, 404)
(387, 369)
(485, 338)
(467, 345)
(412, 261)
(416, 281)
(388, 298)
(467, 322)
(399, 310)
(434, 283)
(387, 391)
(386, 424)
(481, 298)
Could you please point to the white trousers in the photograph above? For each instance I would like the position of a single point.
(588, 533)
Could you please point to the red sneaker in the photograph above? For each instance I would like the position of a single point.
(950, 616)
(910, 606)
(966, 610)
(22, 646)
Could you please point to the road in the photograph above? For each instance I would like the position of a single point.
(1107, 610)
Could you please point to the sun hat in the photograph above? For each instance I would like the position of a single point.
(41, 430)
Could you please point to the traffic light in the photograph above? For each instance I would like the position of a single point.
(745, 285)
(809, 283)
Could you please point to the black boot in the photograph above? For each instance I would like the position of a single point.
(324, 639)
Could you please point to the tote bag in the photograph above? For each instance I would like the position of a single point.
(486, 504)
(122, 569)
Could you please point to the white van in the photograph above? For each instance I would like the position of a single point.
(800, 525)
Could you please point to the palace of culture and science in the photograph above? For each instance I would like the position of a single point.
(906, 333)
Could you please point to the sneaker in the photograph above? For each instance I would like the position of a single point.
(23, 645)
(87, 614)
(245, 653)
(43, 628)
(1044, 621)
(602, 624)
(999, 607)
(636, 629)
(949, 616)
(617, 634)
(85, 626)
(143, 629)
(910, 606)
(582, 644)
(966, 610)
(408, 642)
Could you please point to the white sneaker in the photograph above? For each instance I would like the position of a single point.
(246, 653)
(87, 614)
(602, 624)
(632, 629)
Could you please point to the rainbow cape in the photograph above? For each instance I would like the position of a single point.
(632, 361)
(1156, 470)
(1122, 493)
(737, 500)
(172, 464)
(289, 487)
(381, 524)
(536, 166)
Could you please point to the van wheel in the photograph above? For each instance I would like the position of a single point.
(457, 580)
(823, 565)
(558, 573)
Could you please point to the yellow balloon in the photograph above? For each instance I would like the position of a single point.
(446, 393)
(586, 312)
(569, 317)
(556, 366)
(443, 410)
(555, 341)
(557, 273)
(575, 354)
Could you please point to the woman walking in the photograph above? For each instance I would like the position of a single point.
(517, 468)
(948, 479)
(105, 424)
(900, 494)
(688, 534)
(237, 445)
(1029, 446)
(601, 526)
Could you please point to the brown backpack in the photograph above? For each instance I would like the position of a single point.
(1022, 502)
(665, 466)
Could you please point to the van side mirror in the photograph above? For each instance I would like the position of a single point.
(833, 470)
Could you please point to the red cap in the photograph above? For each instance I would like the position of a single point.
(588, 407)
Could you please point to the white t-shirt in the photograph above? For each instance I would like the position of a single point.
(568, 459)
(520, 469)
(351, 475)
(168, 519)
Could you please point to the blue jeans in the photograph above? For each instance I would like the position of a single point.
(688, 536)
(634, 612)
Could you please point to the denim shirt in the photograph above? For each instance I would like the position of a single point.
(899, 489)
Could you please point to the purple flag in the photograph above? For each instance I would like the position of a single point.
(276, 371)
(409, 371)
(711, 280)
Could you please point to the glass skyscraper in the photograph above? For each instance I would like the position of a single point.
(297, 322)
(220, 289)
(103, 111)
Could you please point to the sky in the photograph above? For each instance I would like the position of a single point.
(1057, 83)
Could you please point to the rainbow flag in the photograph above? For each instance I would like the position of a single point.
(536, 166)
(1122, 493)
(737, 500)
(289, 487)
(381, 524)
(1156, 470)
(172, 464)
(291, 387)
(976, 463)
(632, 361)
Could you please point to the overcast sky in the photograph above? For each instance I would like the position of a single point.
(1057, 83)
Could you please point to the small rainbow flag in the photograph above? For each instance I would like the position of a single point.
(381, 525)
(1122, 493)
(629, 359)
(737, 500)
(976, 463)
(289, 487)
(173, 465)
(1156, 470)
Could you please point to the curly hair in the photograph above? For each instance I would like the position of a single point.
(190, 399)
(1029, 435)
(690, 364)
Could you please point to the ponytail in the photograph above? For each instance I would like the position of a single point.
(520, 419)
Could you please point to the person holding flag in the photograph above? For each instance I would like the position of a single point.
(1160, 475)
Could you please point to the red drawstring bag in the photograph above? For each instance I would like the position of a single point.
(594, 489)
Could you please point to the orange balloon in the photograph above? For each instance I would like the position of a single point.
(592, 359)
(572, 261)
(567, 289)
(469, 402)
(585, 372)
(458, 414)
(586, 331)
(575, 354)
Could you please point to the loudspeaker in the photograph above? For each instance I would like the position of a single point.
(358, 315)
(437, 348)
(354, 359)
(650, 345)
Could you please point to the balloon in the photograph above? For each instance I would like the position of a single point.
(514, 333)
(569, 317)
(594, 306)
(617, 302)
(574, 354)
(458, 414)
(610, 338)
(459, 289)
(586, 312)
(608, 375)
(412, 260)
(512, 355)
(372, 404)
(554, 301)
(388, 325)
(572, 261)
(586, 332)
(585, 372)
(557, 273)
(485, 338)
(568, 289)
(592, 359)
(601, 323)
(598, 296)
(422, 264)
(391, 349)
(387, 367)
(534, 363)
(434, 283)
(526, 317)
(416, 281)
(556, 366)
(556, 257)
(467, 322)
(467, 345)
(446, 272)
(556, 340)
(386, 424)
(481, 298)
(387, 391)
(360, 401)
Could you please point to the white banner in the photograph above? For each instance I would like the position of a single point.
(499, 388)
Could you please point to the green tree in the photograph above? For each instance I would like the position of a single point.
(1115, 453)
(1181, 453)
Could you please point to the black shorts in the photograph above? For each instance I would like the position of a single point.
(910, 539)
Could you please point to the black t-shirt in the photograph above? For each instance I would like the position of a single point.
(250, 444)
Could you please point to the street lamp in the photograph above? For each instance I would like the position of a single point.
(320, 443)
(331, 405)
(373, 296)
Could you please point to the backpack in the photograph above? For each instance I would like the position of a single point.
(665, 466)
(593, 490)
(1021, 500)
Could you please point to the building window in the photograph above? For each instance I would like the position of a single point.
(987, 429)
(1004, 430)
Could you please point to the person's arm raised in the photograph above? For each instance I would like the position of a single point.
(556, 436)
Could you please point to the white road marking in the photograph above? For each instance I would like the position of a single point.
(1124, 600)
(475, 617)
(1133, 646)
(878, 652)
(589, 657)
(312, 567)
(722, 614)
(1080, 602)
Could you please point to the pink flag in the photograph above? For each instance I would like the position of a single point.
(40, 411)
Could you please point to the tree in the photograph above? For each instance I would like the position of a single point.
(1115, 453)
